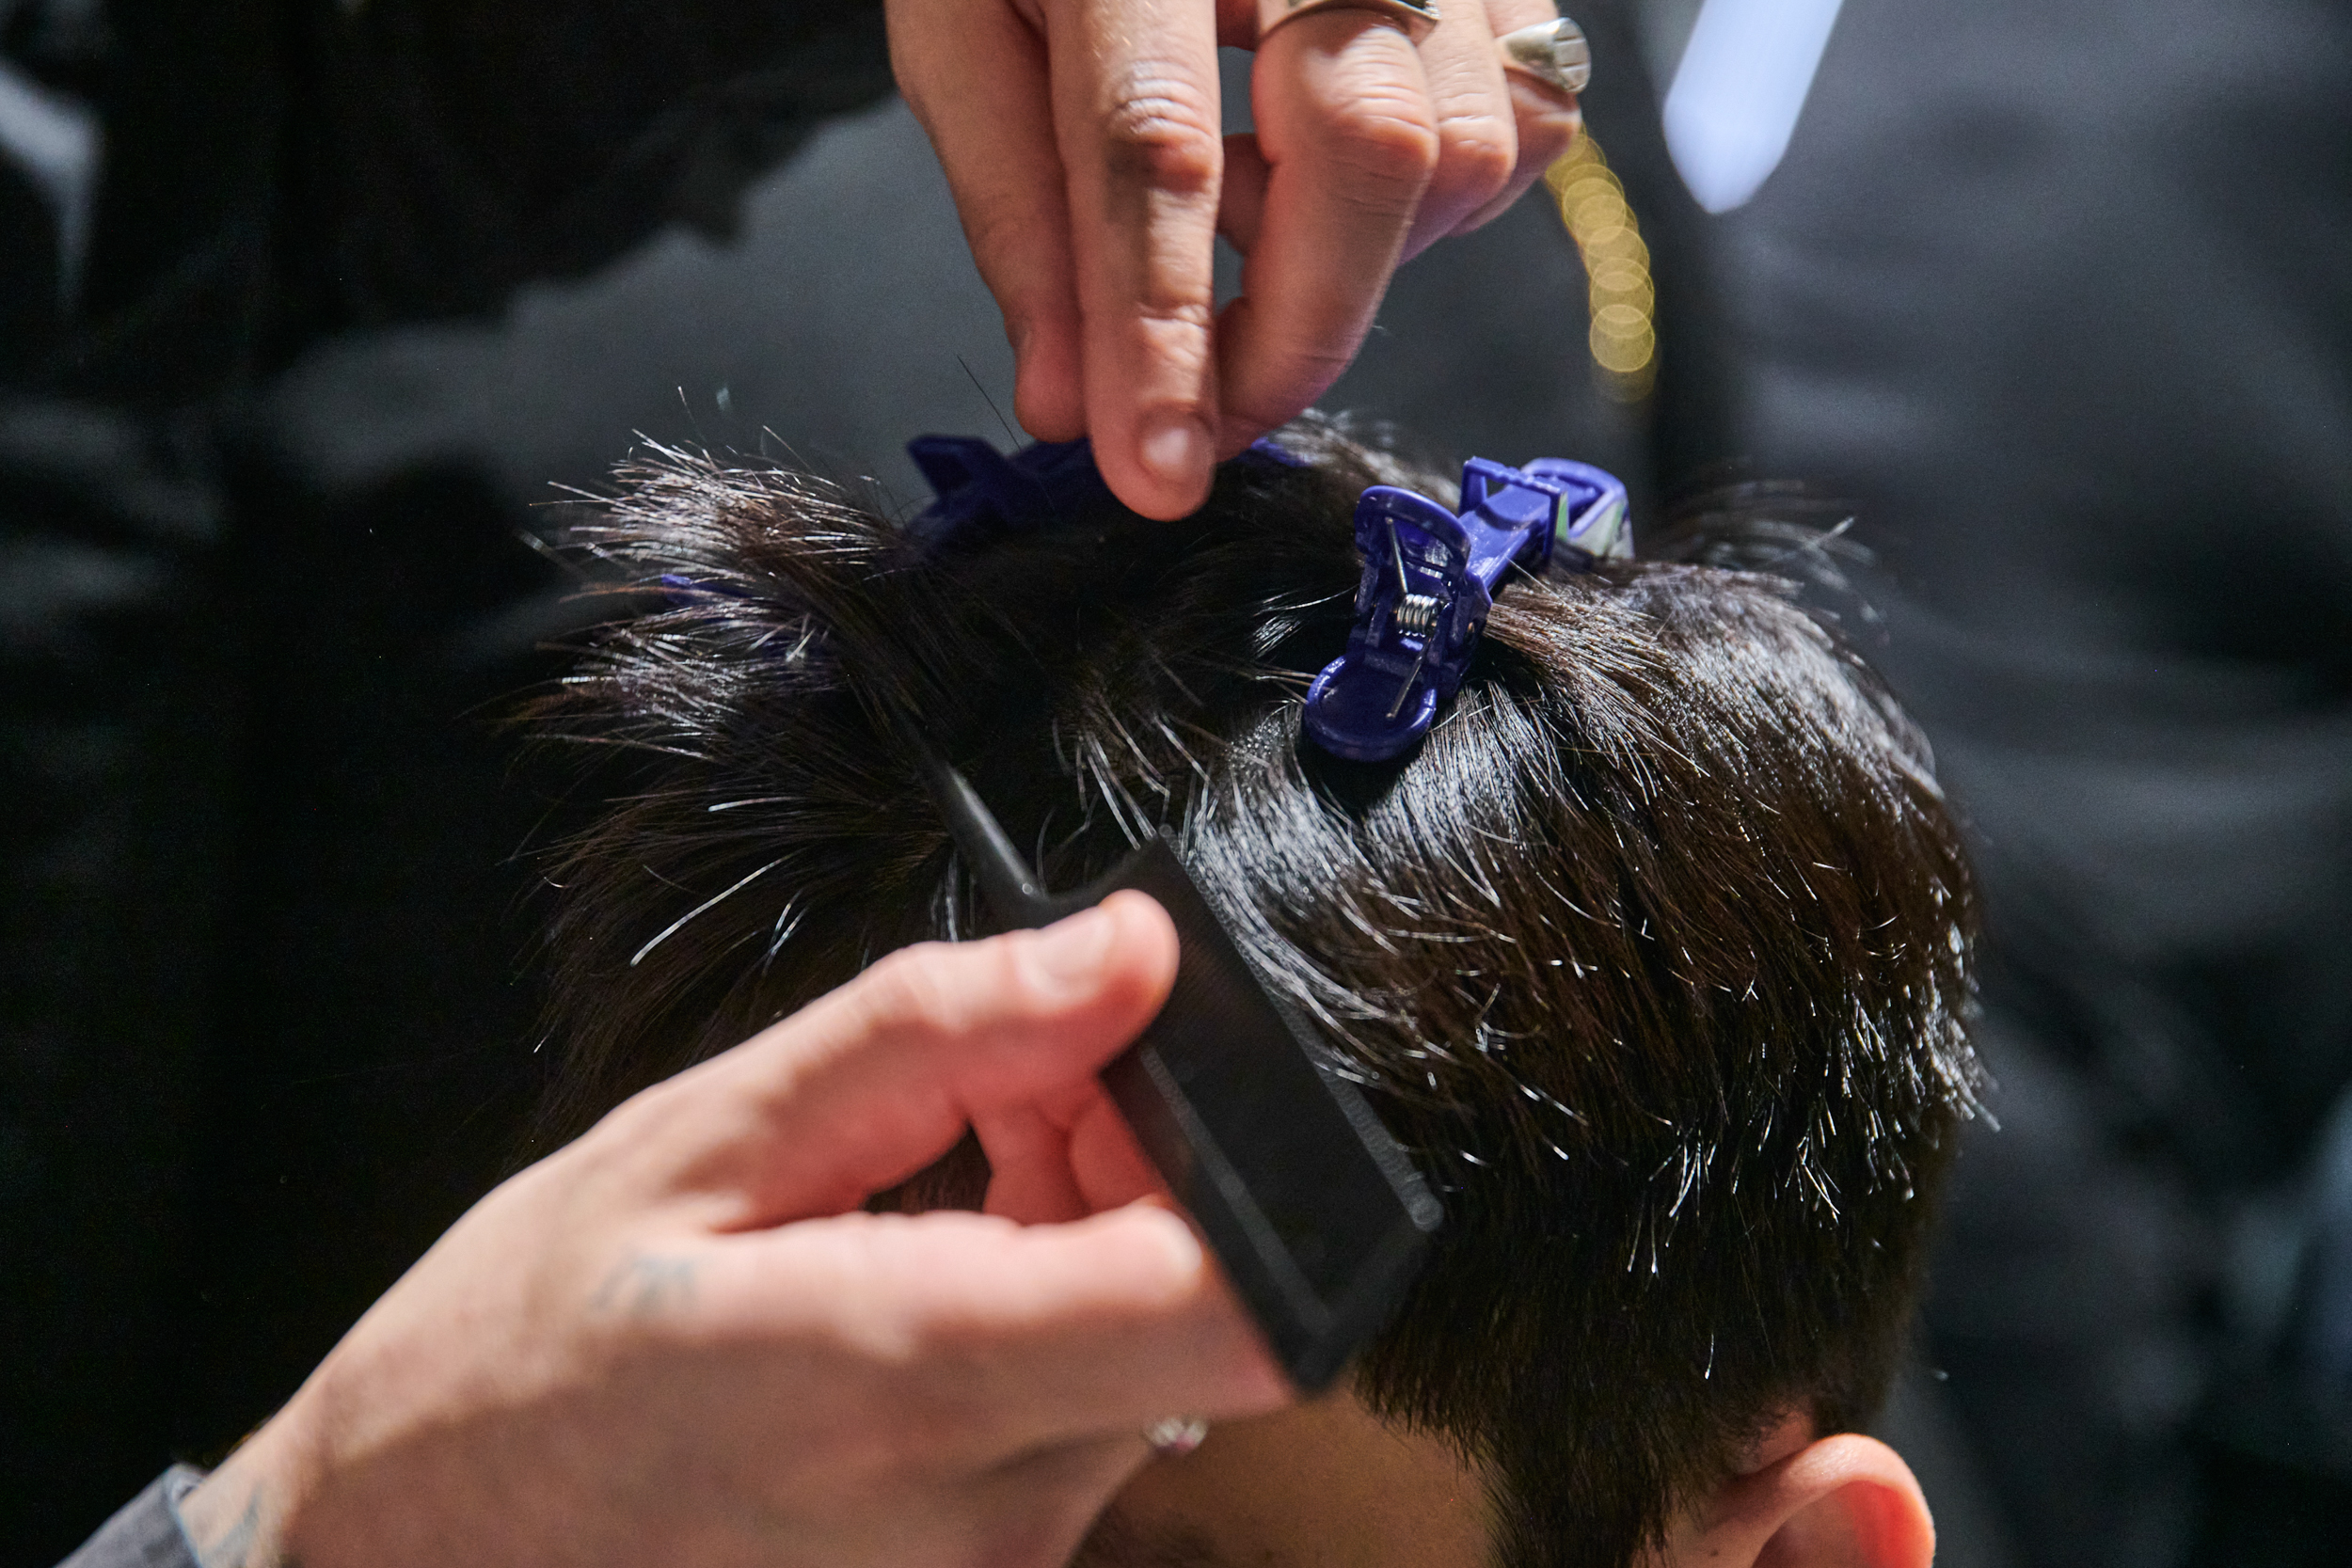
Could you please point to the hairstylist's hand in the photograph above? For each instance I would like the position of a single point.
(1081, 140)
(680, 1340)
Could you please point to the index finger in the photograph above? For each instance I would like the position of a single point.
(871, 1083)
(1136, 111)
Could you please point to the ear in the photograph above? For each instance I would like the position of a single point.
(1846, 1502)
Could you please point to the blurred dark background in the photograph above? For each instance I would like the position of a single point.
(307, 311)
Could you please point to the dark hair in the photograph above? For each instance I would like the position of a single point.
(1656, 950)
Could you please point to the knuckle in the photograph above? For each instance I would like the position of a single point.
(1013, 975)
(1176, 325)
(1160, 133)
(938, 988)
(1387, 142)
(1480, 153)
(644, 1120)
(913, 989)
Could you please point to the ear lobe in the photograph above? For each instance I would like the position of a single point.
(1846, 1502)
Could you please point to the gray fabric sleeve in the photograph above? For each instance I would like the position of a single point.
(146, 1533)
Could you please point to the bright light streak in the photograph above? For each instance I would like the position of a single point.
(55, 141)
(1738, 92)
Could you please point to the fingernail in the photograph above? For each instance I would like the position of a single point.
(1075, 949)
(1175, 448)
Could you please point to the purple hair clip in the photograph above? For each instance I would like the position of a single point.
(979, 490)
(1430, 575)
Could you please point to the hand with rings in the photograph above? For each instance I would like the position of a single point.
(1081, 138)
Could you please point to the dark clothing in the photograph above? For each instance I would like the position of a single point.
(2054, 295)
(263, 1032)
(275, 172)
(146, 1532)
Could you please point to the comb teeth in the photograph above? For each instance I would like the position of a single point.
(1317, 1215)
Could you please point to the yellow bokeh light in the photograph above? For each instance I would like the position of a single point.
(1620, 296)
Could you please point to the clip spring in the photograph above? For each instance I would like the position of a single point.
(1429, 579)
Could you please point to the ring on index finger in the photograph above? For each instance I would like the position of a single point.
(1416, 17)
(1554, 53)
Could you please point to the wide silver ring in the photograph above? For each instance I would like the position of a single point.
(1417, 17)
(1554, 53)
(1175, 1435)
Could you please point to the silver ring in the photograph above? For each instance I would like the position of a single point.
(1415, 16)
(1176, 1435)
(1554, 53)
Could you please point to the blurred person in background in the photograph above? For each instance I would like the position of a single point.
(2054, 295)
(266, 1030)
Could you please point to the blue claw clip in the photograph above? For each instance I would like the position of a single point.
(979, 490)
(1430, 575)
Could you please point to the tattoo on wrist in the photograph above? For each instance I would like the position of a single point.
(642, 1285)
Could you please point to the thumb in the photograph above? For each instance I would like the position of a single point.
(871, 1083)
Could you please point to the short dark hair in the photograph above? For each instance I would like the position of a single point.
(1657, 950)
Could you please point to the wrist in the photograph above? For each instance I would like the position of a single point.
(243, 1515)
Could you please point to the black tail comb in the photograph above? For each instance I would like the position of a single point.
(1316, 1214)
